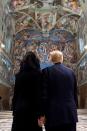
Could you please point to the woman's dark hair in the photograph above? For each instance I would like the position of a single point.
(29, 62)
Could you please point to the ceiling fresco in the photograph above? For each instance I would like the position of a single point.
(73, 5)
(68, 22)
(70, 4)
(55, 35)
(43, 26)
(45, 17)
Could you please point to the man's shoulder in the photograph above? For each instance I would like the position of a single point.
(68, 68)
(70, 71)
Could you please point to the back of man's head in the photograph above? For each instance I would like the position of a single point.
(56, 56)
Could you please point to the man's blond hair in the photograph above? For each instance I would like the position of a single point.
(56, 56)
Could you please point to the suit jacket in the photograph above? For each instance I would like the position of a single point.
(59, 95)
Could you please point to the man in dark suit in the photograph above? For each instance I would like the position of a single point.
(59, 99)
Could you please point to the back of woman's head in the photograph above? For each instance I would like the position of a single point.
(30, 62)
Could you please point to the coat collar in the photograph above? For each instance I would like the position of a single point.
(59, 63)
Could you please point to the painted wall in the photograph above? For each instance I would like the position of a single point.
(6, 43)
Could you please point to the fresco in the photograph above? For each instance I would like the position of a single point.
(69, 22)
(44, 18)
(6, 27)
(74, 5)
(19, 3)
(6, 41)
(55, 35)
(5, 69)
(30, 40)
(26, 22)
(82, 38)
(42, 28)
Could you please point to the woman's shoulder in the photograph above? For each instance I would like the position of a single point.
(30, 73)
(20, 75)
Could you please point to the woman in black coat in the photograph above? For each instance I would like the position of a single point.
(26, 99)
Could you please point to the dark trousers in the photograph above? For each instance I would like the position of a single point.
(63, 127)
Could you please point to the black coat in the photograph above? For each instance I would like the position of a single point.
(59, 95)
(26, 100)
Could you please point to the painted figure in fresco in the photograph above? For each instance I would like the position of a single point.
(26, 97)
(18, 3)
(59, 99)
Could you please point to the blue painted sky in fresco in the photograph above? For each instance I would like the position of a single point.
(36, 35)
